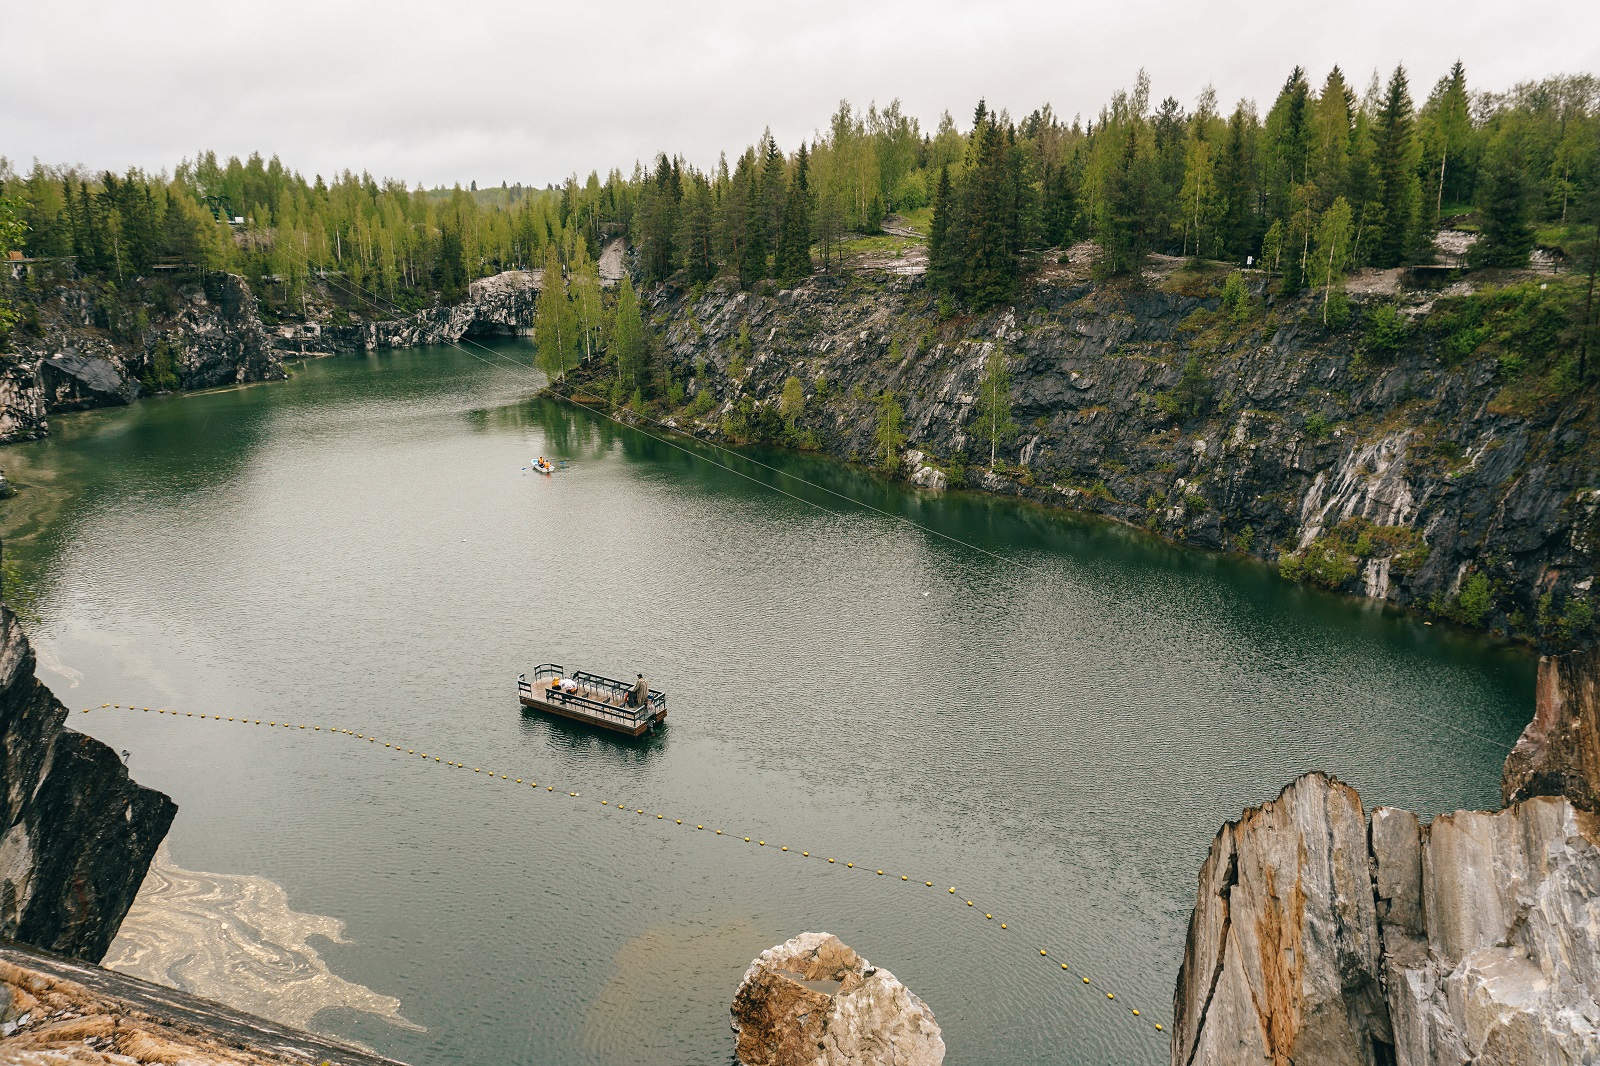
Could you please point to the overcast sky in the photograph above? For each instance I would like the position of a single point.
(521, 90)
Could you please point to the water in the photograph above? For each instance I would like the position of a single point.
(359, 547)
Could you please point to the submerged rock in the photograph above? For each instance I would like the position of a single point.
(812, 1001)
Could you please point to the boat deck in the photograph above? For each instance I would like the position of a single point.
(599, 701)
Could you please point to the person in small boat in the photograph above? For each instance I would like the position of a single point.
(640, 693)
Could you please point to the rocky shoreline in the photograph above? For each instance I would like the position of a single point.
(1417, 478)
(1325, 934)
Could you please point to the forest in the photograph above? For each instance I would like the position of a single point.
(1329, 179)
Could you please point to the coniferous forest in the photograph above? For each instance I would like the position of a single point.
(1331, 177)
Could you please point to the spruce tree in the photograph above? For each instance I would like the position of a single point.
(990, 262)
(794, 234)
(1505, 236)
(1397, 187)
(943, 259)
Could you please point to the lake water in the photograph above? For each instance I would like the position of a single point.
(360, 547)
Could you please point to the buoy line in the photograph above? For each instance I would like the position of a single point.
(664, 819)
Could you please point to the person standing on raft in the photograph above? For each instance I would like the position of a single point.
(639, 695)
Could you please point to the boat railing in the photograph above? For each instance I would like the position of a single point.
(591, 686)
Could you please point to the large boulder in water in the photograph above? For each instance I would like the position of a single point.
(812, 1001)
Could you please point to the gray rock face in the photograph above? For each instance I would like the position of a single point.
(1295, 446)
(1475, 939)
(1507, 970)
(1558, 753)
(812, 1001)
(76, 833)
(211, 334)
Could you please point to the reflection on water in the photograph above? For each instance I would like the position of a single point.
(358, 546)
(236, 940)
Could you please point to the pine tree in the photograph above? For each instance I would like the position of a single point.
(943, 259)
(1505, 232)
(1397, 187)
(989, 261)
(793, 262)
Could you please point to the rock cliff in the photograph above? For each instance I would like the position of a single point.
(812, 1001)
(84, 348)
(1418, 475)
(1558, 753)
(55, 1012)
(76, 832)
(1322, 937)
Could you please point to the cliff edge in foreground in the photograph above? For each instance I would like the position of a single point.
(76, 832)
(1321, 936)
(54, 1012)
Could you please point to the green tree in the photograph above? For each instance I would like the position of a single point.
(1445, 128)
(889, 436)
(555, 330)
(630, 344)
(944, 263)
(1505, 232)
(1331, 256)
(793, 400)
(794, 234)
(994, 401)
(1395, 165)
(12, 231)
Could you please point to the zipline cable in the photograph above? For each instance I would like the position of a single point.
(551, 387)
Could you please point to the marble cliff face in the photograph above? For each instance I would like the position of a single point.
(78, 832)
(1323, 935)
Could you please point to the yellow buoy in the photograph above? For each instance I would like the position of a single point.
(747, 840)
(785, 849)
(1110, 996)
(762, 843)
(699, 827)
(830, 860)
(1002, 925)
(660, 816)
(988, 916)
(928, 883)
(1135, 1014)
(805, 854)
(1042, 951)
(969, 903)
(880, 873)
(1085, 980)
(851, 865)
(1063, 966)
(719, 832)
(603, 803)
(678, 820)
(641, 810)
(1158, 1027)
(952, 890)
(903, 877)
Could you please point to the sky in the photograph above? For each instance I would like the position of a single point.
(528, 91)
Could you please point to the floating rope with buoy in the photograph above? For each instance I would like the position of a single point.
(610, 805)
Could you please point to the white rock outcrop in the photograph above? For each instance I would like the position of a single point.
(812, 1001)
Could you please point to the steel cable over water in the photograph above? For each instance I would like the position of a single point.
(664, 819)
(501, 361)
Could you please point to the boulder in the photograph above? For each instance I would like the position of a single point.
(1558, 753)
(812, 1001)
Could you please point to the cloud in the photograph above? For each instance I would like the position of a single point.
(495, 90)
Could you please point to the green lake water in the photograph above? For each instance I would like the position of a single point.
(360, 547)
